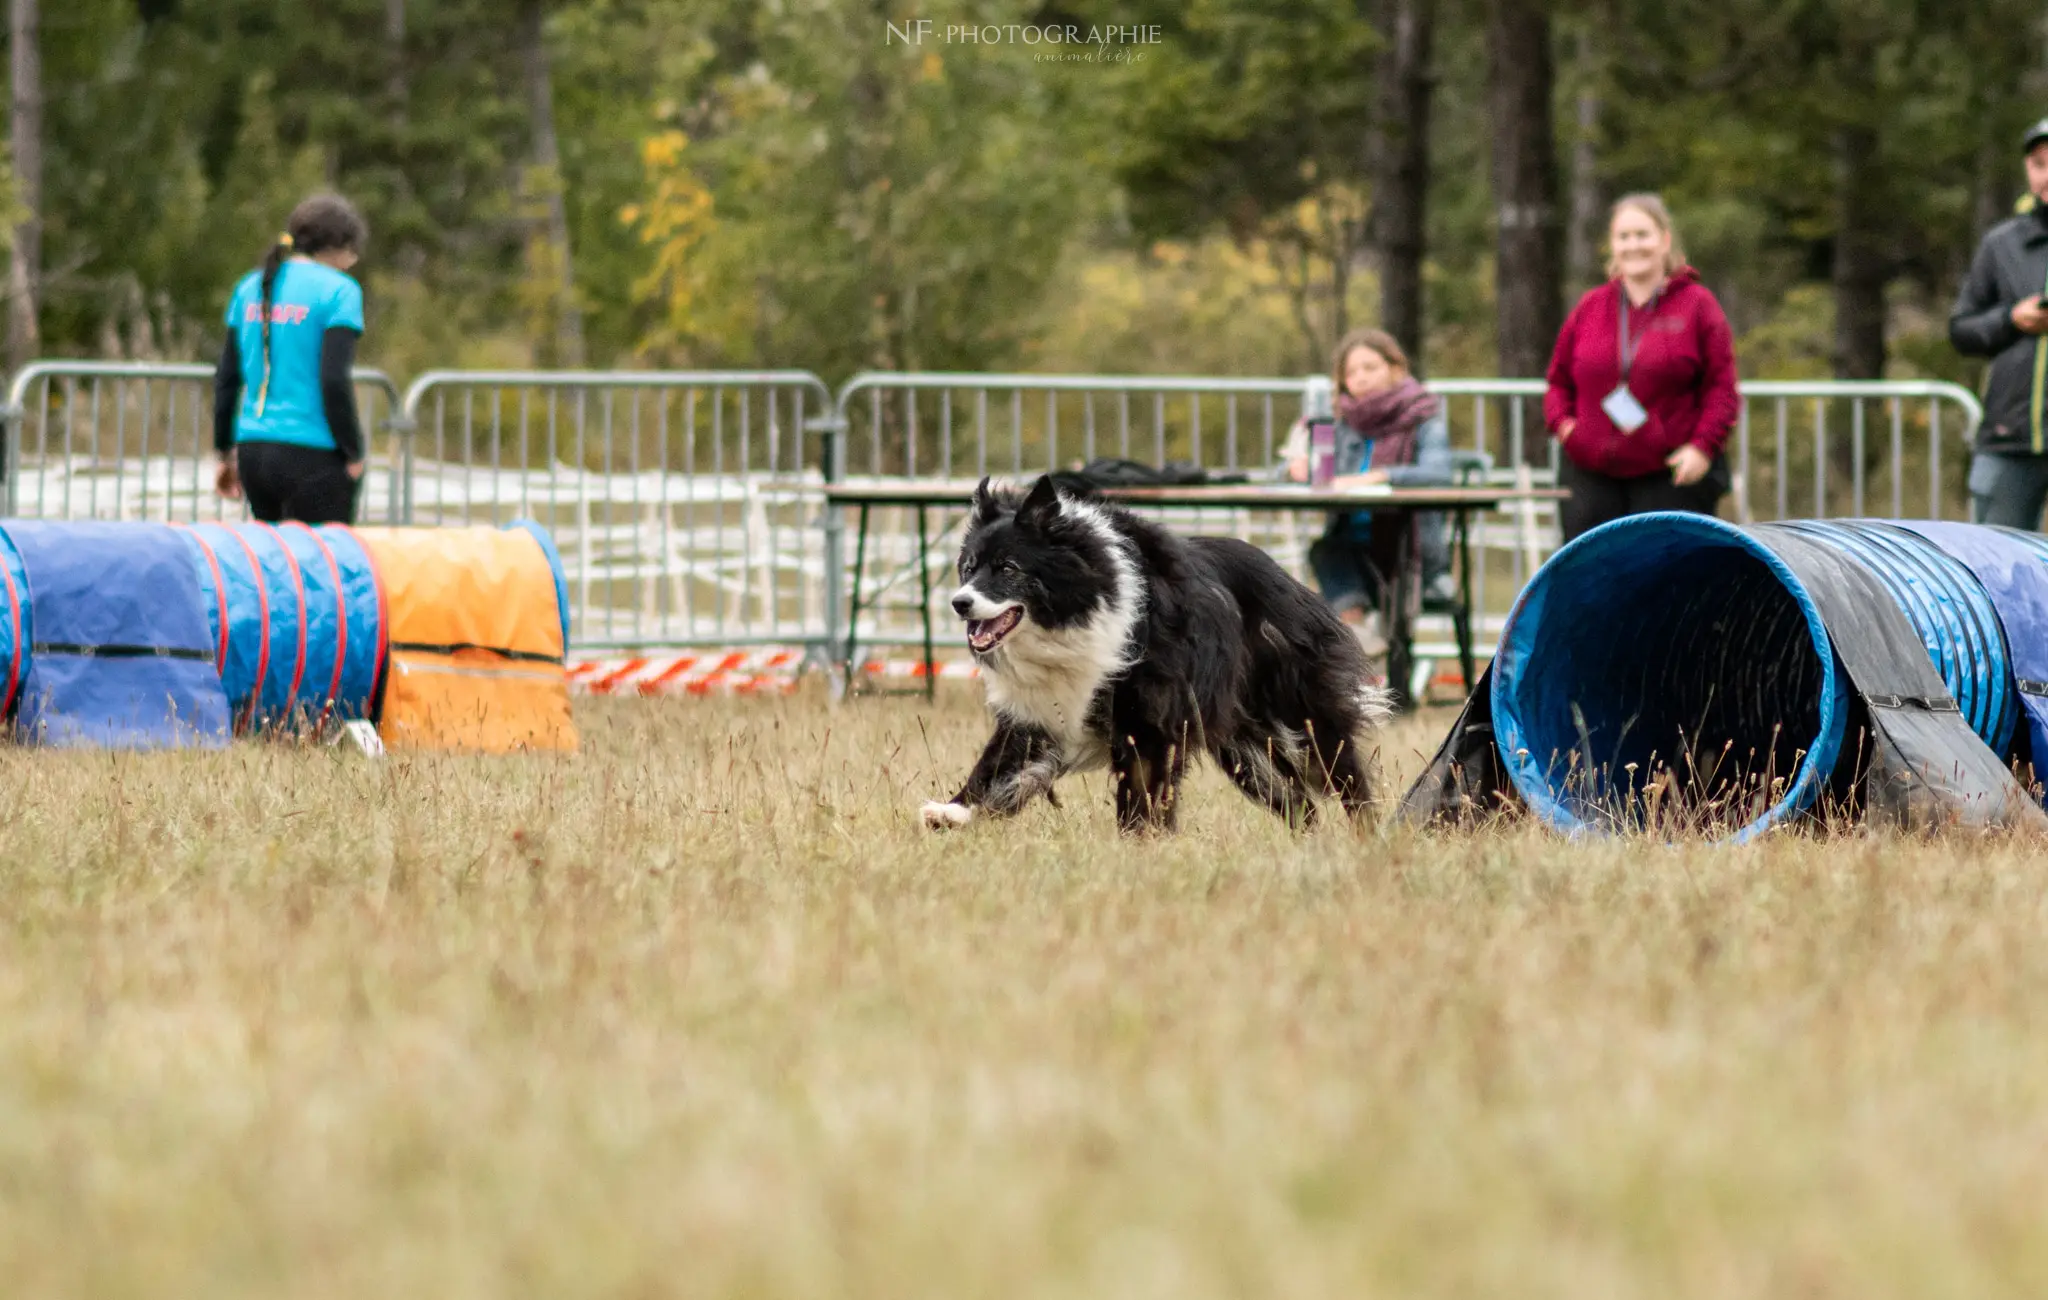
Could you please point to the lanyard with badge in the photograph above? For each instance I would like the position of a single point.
(1621, 405)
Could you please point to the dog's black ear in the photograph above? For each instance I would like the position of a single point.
(985, 506)
(1041, 506)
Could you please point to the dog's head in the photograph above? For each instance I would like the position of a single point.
(1037, 560)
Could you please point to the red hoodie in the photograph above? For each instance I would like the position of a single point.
(1683, 374)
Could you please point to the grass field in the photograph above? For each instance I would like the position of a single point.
(702, 1013)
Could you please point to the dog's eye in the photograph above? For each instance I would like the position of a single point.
(1012, 568)
(966, 566)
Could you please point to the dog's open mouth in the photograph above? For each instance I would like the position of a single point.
(985, 634)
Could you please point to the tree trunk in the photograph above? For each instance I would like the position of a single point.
(1860, 269)
(395, 89)
(1340, 236)
(1582, 266)
(25, 274)
(866, 125)
(1990, 204)
(1529, 308)
(1398, 162)
(547, 167)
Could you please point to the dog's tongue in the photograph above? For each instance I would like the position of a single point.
(983, 633)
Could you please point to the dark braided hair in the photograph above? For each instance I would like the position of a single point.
(318, 225)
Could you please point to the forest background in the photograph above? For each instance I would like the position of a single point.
(1223, 188)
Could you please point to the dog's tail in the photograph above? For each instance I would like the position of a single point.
(1375, 705)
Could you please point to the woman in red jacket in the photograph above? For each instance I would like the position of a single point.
(1642, 385)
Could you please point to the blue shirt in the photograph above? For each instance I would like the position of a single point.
(1430, 468)
(306, 300)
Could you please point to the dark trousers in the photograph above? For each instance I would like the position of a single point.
(1353, 570)
(1597, 499)
(284, 481)
(2008, 489)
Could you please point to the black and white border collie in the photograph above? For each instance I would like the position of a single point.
(1106, 639)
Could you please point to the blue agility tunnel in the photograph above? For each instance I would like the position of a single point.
(2012, 567)
(364, 644)
(17, 628)
(159, 635)
(1672, 669)
(296, 618)
(107, 641)
(1668, 629)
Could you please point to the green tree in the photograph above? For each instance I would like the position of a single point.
(1256, 118)
(1855, 141)
(882, 202)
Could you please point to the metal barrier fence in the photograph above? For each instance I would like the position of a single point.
(684, 503)
(688, 505)
(121, 440)
(1801, 447)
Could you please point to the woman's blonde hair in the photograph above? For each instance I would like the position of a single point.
(1652, 207)
(1378, 341)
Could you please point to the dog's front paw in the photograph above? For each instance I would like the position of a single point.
(946, 816)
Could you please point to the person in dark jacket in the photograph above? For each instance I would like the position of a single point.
(284, 407)
(1642, 392)
(1999, 314)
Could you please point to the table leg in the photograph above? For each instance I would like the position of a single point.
(1400, 621)
(924, 606)
(860, 555)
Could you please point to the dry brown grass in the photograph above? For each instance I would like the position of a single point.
(703, 1014)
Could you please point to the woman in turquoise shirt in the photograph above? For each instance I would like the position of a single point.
(284, 407)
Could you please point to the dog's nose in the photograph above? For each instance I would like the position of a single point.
(963, 604)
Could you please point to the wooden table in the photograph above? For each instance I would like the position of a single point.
(1458, 502)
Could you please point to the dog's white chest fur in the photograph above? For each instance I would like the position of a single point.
(1049, 677)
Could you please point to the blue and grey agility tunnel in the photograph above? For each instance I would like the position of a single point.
(296, 616)
(1676, 670)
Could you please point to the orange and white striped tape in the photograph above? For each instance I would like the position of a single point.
(731, 672)
(765, 672)
(735, 672)
(946, 670)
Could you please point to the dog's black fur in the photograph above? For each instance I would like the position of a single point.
(1135, 647)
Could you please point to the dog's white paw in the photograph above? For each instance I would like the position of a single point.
(946, 816)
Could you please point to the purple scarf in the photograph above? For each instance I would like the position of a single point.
(1389, 419)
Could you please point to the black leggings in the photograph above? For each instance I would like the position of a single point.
(285, 481)
(1596, 498)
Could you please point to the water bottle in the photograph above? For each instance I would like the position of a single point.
(1322, 452)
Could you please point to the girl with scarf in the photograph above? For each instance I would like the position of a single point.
(1390, 430)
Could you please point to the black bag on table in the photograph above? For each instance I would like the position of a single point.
(1111, 472)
